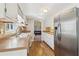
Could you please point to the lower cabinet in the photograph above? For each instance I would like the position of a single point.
(49, 39)
(22, 52)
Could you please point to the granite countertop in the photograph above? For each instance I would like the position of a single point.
(26, 31)
(14, 43)
(49, 32)
(6, 35)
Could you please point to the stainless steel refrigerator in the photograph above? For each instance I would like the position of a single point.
(66, 37)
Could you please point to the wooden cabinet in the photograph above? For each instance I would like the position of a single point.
(49, 39)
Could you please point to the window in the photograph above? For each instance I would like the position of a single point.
(11, 26)
(8, 26)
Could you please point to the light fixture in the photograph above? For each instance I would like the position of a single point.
(45, 10)
(7, 19)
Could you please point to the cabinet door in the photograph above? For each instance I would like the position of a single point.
(2, 6)
(11, 10)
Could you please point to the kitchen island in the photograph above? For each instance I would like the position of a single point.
(15, 45)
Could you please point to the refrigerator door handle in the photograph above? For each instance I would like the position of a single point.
(58, 35)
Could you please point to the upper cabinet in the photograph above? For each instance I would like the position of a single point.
(11, 10)
(2, 11)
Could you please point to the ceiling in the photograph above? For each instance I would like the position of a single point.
(36, 9)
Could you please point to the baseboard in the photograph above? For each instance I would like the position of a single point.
(49, 46)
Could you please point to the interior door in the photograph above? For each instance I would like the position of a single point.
(37, 30)
(37, 27)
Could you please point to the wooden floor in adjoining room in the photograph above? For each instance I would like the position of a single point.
(39, 48)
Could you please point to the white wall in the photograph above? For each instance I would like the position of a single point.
(2, 6)
(30, 25)
(47, 22)
(11, 10)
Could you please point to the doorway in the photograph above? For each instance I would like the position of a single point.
(37, 30)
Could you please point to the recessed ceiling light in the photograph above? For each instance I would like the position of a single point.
(45, 10)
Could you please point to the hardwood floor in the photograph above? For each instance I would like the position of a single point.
(39, 48)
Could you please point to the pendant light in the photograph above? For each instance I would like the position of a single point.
(7, 19)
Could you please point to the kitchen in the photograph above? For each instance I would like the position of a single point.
(24, 27)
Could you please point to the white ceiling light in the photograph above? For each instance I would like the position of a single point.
(45, 10)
